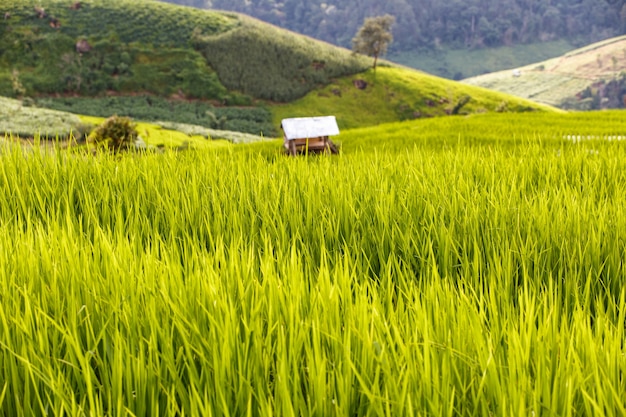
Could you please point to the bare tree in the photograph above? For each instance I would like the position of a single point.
(374, 36)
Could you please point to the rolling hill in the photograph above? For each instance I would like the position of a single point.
(589, 78)
(216, 70)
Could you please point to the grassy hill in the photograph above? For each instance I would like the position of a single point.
(394, 93)
(125, 46)
(222, 71)
(587, 78)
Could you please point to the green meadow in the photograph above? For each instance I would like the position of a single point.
(391, 94)
(458, 266)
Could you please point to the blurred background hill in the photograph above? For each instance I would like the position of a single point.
(455, 39)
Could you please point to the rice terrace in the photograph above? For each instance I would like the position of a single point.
(462, 254)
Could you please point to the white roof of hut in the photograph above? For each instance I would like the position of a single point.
(310, 127)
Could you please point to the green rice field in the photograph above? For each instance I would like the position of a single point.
(459, 266)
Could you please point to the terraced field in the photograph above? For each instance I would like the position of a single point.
(560, 79)
(456, 266)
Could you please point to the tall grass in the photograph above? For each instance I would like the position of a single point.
(460, 278)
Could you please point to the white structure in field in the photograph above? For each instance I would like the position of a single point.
(310, 134)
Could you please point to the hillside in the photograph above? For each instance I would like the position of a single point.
(588, 78)
(459, 63)
(20, 121)
(434, 25)
(394, 93)
(223, 71)
(95, 47)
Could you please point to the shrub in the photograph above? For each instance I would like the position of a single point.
(116, 133)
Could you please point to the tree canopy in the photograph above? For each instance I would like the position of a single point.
(431, 24)
(374, 36)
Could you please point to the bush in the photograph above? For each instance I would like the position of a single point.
(116, 133)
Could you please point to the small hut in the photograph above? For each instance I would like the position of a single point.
(310, 134)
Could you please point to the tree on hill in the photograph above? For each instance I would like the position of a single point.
(374, 36)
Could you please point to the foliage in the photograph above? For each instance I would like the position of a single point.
(122, 46)
(165, 135)
(374, 37)
(395, 94)
(17, 120)
(602, 94)
(588, 129)
(253, 120)
(213, 134)
(458, 266)
(436, 24)
(132, 46)
(28, 122)
(269, 63)
(116, 134)
(142, 21)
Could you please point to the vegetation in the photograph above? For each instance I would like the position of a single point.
(436, 24)
(269, 63)
(395, 94)
(227, 62)
(587, 129)
(18, 119)
(576, 80)
(453, 266)
(255, 120)
(234, 137)
(374, 37)
(106, 46)
(458, 64)
(91, 50)
(57, 127)
(115, 134)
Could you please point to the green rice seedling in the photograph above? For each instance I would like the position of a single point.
(444, 273)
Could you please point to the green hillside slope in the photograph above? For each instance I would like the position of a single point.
(588, 78)
(19, 122)
(393, 93)
(99, 46)
(158, 62)
(96, 46)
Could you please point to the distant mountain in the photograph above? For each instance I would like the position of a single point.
(436, 24)
(593, 77)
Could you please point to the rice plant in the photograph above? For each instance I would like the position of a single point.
(456, 277)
